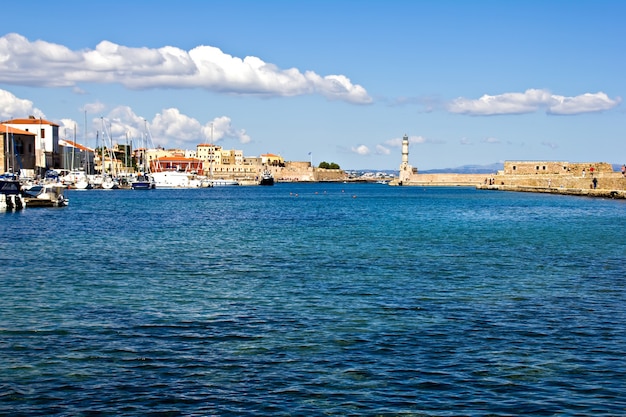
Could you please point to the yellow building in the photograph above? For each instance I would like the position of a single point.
(273, 160)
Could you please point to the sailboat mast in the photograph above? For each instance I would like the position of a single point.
(74, 148)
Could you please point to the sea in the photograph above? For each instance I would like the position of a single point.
(314, 299)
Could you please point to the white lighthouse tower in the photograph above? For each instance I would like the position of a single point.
(405, 169)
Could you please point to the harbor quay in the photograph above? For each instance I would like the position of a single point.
(603, 182)
(591, 179)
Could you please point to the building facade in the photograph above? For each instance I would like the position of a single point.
(46, 140)
(18, 150)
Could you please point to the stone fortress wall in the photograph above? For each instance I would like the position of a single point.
(578, 175)
(580, 178)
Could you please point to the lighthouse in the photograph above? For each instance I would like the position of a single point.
(405, 151)
(405, 169)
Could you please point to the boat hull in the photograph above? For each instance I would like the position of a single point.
(142, 185)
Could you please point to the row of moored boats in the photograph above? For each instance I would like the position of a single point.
(49, 192)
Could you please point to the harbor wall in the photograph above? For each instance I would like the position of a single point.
(292, 172)
(442, 180)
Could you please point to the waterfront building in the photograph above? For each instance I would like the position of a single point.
(73, 156)
(273, 160)
(46, 140)
(18, 150)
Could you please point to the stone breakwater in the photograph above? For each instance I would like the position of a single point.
(607, 184)
(604, 193)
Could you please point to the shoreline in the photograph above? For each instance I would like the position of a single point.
(602, 193)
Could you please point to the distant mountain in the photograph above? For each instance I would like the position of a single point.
(467, 169)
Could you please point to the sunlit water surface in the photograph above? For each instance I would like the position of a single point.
(314, 299)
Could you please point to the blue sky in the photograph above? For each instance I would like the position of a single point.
(470, 82)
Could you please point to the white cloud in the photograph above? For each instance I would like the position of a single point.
(94, 108)
(465, 141)
(361, 150)
(382, 150)
(41, 63)
(491, 140)
(221, 128)
(585, 103)
(169, 128)
(13, 107)
(66, 129)
(531, 101)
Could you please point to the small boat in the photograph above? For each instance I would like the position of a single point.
(77, 179)
(222, 183)
(176, 179)
(10, 197)
(45, 195)
(266, 178)
(143, 182)
(110, 183)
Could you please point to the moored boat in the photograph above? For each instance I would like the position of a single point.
(222, 183)
(45, 195)
(143, 182)
(176, 179)
(266, 178)
(10, 196)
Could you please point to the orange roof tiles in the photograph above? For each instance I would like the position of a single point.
(8, 129)
(31, 121)
(75, 145)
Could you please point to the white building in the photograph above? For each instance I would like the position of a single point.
(46, 140)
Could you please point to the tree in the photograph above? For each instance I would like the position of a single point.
(326, 165)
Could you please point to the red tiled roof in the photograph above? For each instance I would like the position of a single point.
(74, 145)
(8, 129)
(29, 121)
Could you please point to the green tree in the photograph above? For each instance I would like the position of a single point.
(328, 165)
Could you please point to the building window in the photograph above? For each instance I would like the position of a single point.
(43, 133)
(514, 167)
(544, 167)
(537, 167)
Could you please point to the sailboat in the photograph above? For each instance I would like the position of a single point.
(145, 181)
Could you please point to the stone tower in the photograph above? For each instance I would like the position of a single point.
(405, 150)
(405, 169)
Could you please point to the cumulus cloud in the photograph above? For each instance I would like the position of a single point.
(382, 150)
(170, 128)
(586, 103)
(361, 150)
(173, 129)
(531, 101)
(41, 63)
(13, 107)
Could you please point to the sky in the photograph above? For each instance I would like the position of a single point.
(470, 82)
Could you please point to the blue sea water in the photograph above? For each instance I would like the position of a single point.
(314, 299)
